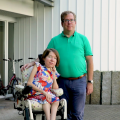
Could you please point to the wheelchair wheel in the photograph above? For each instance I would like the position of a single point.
(26, 117)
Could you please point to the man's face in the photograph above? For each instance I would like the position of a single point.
(69, 23)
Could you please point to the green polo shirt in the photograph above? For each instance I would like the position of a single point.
(72, 53)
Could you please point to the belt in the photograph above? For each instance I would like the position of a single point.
(72, 78)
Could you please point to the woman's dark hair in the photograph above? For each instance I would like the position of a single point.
(46, 53)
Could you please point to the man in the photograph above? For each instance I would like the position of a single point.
(75, 51)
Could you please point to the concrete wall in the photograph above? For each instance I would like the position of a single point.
(106, 88)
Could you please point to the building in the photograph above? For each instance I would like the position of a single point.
(26, 27)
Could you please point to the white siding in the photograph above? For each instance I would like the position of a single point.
(96, 31)
(117, 32)
(104, 39)
(96, 19)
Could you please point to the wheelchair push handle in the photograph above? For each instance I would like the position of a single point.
(31, 58)
(16, 60)
(28, 58)
(7, 59)
(19, 60)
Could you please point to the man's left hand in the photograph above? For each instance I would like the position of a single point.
(89, 89)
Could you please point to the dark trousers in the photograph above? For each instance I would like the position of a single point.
(75, 94)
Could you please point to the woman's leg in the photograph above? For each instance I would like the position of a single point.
(46, 108)
(54, 107)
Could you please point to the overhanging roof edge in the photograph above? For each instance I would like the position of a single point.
(46, 2)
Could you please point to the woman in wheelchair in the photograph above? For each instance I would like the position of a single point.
(42, 79)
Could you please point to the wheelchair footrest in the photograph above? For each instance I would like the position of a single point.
(20, 109)
(38, 112)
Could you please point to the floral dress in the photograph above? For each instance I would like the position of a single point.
(43, 80)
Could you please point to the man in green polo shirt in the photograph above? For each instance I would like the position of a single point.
(75, 62)
(72, 51)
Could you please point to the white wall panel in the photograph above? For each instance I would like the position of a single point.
(40, 28)
(112, 40)
(117, 51)
(96, 30)
(104, 36)
(89, 20)
(16, 45)
(48, 25)
(21, 41)
(73, 5)
(27, 40)
(21, 37)
(64, 5)
(97, 19)
(80, 14)
(33, 32)
(56, 21)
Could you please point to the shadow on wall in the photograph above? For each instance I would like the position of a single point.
(106, 88)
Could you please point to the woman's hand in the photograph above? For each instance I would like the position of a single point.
(48, 96)
(53, 70)
(54, 85)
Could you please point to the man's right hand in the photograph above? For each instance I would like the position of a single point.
(26, 66)
(29, 64)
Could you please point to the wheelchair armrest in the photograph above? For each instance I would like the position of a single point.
(19, 88)
(26, 90)
(57, 92)
(23, 89)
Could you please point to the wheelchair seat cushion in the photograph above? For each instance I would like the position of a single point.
(36, 106)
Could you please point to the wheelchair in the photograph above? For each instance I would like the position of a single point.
(32, 110)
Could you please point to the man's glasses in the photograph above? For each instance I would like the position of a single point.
(66, 20)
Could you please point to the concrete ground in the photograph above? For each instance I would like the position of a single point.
(92, 112)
